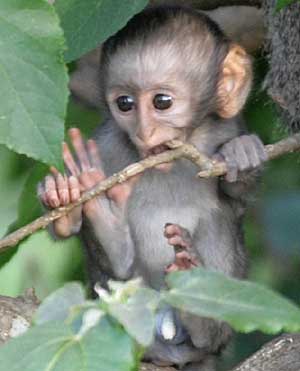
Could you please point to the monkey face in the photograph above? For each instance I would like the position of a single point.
(160, 87)
(153, 115)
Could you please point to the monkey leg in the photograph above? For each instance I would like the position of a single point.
(180, 238)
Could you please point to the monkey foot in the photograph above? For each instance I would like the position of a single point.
(181, 240)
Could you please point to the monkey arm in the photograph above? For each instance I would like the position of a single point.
(243, 188)
(244, 156)
(111, 235)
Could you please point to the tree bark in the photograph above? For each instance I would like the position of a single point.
(280, 354)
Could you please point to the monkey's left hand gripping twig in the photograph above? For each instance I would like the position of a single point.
(178, 150)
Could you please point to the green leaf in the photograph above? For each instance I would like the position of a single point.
(137, 315)
(33, 79)
(57, 306)
(54, 346)
(83, 118)
(29, 205)
(246, 306)
(283, 3)
(86, 25)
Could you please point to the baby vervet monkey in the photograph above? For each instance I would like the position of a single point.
(170, 73)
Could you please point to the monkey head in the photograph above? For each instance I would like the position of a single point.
(166, 71)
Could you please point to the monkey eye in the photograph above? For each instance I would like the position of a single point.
(125, 103)
(162, 101)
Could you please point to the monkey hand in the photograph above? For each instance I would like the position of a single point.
(243, 153)
(59, 190)
(180, 238)
(85, 172)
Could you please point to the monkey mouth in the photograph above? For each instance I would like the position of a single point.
(157, 150)
(166, 166)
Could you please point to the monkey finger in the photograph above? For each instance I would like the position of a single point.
(172, 229)
(171, 268)
(51, 192)
(217, 157)
(251, 152)
(185, 261)
(232, 174)
(79, 147)
(94, 154)
(260, 148)
(178, 242)
(42, 194)
(229, 157)
(121, 192)
(69, 160)
(241, 156)
(74, 188)
(62, 189)
(90, 178)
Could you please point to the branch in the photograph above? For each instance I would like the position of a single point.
(282, 353)
(16, 314)
(284, 146)
(208, 168)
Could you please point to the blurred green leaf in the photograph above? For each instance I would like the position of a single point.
(34, 80)
(283, 3)
(13, 171)
(42, 263)
(137, 315)
(56, 307)
(29, 205)
(86, 25)
(83, 118)
(55, 346)
(246, 306)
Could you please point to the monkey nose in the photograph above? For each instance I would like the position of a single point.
(146, 134)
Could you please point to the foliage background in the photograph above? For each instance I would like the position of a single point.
(272, 225)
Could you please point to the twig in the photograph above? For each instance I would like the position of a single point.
(179, 150)
(284, 146)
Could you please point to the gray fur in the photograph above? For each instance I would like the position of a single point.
(201, 207)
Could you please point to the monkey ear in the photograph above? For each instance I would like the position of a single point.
(235, 82)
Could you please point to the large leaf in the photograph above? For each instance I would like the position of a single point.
(55, 346)
(33, 79)
(87, 24)
(246, 306)
(137, 315)
(57, 306)
(29, 206)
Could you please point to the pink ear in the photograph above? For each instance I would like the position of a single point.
(235, 82)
